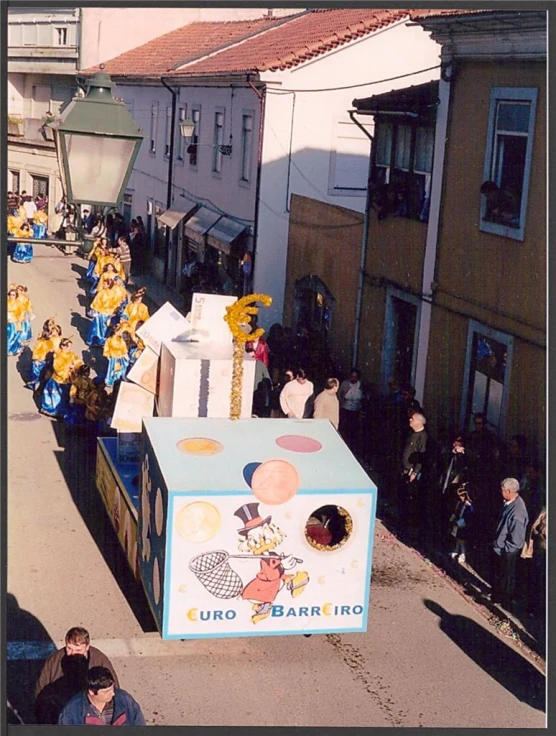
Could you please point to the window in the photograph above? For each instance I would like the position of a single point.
(61, 36)
(168, 135)
(508, 161)
(218, 140)
(349, 160)
(402, 169)
(182, 115)
(30, 34)
(193, 146)
(14, 181)
(486, 376)
(127, 207)
(154, 126)
(246, 146)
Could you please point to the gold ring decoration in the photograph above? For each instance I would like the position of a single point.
(238, 316)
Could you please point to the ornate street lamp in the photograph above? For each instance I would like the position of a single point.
(97, 143)
(187, 128)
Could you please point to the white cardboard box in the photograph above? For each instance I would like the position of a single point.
(207, 318)
(196, 380)
(133, 403)
(165, 324)
(144, 372)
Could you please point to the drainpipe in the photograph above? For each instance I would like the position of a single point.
(431, 247)
(262, 98)
(174, 94)
(364, 243)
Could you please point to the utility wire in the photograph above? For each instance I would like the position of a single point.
(354, 86)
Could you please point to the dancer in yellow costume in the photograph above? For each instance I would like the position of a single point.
(55, 398)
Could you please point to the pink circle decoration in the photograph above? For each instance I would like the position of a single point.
(298, 443)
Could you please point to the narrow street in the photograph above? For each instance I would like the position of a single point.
(429, 658)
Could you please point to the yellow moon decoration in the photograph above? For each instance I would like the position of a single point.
(326, 609)
(198, 522)
(192, 614)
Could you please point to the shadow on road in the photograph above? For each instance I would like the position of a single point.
(497, 659)
(24, 361)
(77, 461)
(81, 324)
(23, 664)
(79, 270)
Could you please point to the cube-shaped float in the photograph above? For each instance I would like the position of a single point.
(196, 380)
(256, 527)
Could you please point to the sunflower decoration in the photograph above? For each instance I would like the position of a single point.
(238, 317)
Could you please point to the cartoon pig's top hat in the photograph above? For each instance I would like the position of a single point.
(249, 515)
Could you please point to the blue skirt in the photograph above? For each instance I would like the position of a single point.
(75, 416)
(98, 329)
(26, 332)
(39, 231)
(117, 369)
(94, 285)
(90, 271)
(22, 253)
(14, 337)
(38, 367)
(55, 398)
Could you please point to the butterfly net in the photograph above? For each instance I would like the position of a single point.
(213, 570)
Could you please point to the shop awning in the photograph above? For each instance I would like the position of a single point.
(173, 217)
(199, 223)
(223, 233)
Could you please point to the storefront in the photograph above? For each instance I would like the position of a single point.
(226, 243)
(176, 254)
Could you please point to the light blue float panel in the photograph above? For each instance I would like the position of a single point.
(253, 528)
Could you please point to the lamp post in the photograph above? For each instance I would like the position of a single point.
(97, 143)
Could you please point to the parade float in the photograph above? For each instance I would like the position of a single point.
(235, 526)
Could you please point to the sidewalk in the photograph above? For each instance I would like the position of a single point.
(518, 625)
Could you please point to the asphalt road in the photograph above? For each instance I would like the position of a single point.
(429, 658)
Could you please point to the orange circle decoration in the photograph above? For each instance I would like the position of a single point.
(159, 512)
(156, 581)
(200, 446)
(274, 482)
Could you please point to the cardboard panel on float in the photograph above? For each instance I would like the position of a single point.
(256, 527)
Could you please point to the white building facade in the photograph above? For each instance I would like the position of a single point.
(300, 139)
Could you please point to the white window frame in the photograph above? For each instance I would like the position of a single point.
(168, 132)
(182, 115)
(196, 111)
(504, 339)
(393, 153)
(340, 126)
(61, 35)
(154, 128)
(499, 94)
(218, 140)
(246, 162)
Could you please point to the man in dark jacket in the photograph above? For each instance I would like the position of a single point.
(64, 674)
(508, 542)
(413, 460)
(101, 703)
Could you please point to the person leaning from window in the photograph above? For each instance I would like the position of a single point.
(101, 703)
(502, 205)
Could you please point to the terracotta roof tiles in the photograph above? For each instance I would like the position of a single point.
(181, 45)
(257, 45)
(300, 39)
